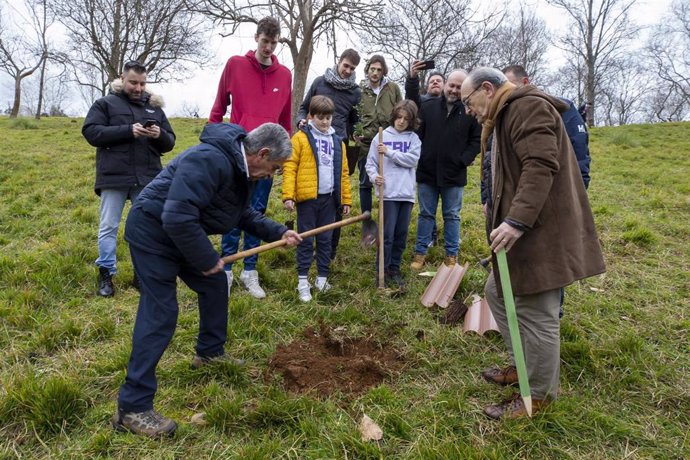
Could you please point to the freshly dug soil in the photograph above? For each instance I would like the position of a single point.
(327, 361)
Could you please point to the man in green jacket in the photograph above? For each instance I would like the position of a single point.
(379, 96)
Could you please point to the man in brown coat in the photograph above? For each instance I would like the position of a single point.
(539, 213)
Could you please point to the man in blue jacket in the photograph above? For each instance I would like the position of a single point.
(575, 126)
(205, 190)
(130, 132)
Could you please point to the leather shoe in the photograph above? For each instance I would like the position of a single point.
(514, 407)
(506, 376)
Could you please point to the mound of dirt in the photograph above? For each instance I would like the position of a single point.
(327, 361)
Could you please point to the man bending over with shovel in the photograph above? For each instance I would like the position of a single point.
(205, 190)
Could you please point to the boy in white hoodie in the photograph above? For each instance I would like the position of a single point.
(315, 183)
(401, 148)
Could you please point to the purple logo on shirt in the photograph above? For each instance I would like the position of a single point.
(400, 146)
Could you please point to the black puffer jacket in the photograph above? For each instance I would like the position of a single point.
(450, 141)
(204, 190)
(122, 160)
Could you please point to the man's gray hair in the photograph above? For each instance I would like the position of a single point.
(482, 74)
(271, 136)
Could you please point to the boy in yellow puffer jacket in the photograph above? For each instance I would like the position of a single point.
(316, 182)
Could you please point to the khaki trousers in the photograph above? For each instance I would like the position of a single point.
(540, 332)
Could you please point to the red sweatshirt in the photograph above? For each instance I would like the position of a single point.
(258, 95)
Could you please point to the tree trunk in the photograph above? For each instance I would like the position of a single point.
(299, 81)
(41, 85)
(17, 97)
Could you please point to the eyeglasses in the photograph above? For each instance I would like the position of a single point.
(466, 101)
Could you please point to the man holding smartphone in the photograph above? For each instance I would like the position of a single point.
(450, 142)
(130, 132)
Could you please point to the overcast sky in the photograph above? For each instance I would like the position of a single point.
(199, 90)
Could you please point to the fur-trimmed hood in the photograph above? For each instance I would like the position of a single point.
(156, 100)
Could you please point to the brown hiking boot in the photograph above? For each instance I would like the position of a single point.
(148, 423)
(201, 361)
(451, 260)
(506, 376)
(418, 262)
(514, 407)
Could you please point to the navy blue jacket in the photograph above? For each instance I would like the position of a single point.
(450, 141)
(204, 190)
(576, 128)
(345, 101)
(123, 161)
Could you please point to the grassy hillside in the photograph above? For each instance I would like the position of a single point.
(625, 390)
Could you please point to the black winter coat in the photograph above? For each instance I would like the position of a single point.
(450, 141)
(123, 161)
(204, 190)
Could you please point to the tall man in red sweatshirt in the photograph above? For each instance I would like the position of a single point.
(259, 89)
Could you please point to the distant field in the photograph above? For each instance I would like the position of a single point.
(625, 378)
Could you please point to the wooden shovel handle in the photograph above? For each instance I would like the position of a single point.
(381, 261)
(276, 244)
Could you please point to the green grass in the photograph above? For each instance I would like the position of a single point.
(63, 351)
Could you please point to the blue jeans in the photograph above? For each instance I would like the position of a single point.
(451, 204)
(230, 242)
(112, 204)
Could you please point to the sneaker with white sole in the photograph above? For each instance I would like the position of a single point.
(250, 279)
(304, 290)
(228, 273)
(322, 284)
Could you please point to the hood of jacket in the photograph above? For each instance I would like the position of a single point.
(117, 86)
(251, 55)
(531, 90)
(226, 137)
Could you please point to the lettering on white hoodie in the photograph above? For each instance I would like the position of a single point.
(399, 164)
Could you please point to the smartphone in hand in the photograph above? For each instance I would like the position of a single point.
(429, 64)
(150, 122)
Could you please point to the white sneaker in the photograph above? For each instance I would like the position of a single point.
(228, 273)
(250, 279)
(322, 284)
(304, 289)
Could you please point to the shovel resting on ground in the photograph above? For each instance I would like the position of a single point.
(364, 217)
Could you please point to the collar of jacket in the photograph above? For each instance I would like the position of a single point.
(117, 87)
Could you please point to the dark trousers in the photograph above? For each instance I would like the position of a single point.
(351, 153)
(157, 318)
(364, 185)
(310, 215)
(396, 223)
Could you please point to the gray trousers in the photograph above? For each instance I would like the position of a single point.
(540, 334)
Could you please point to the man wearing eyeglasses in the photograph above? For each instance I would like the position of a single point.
(130, 132)
(539, 213)
(450, 143)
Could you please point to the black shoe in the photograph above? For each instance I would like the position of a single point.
(396, 278)
(135, 282)
(105, 283)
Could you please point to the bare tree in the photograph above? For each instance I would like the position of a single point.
(163, 35)
(521, 39)
(447, 31)
(623, 91)
(668, 51)
(22, 48)
(304, 23)
(599, 34)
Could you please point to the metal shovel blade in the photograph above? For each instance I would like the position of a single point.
(370, 233)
